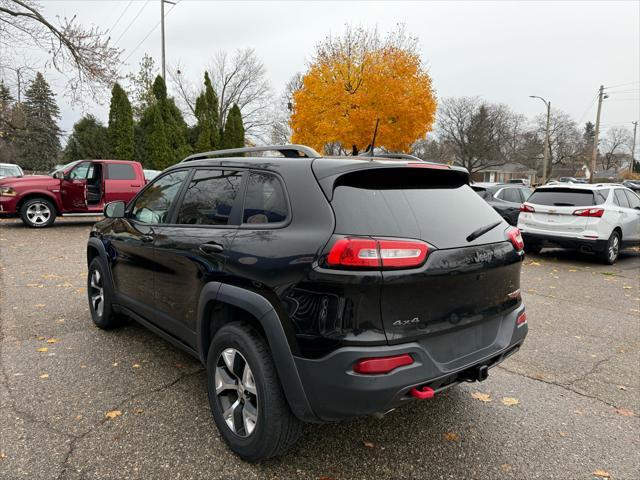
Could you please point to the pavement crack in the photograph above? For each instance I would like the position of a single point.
(564, 386)
(76, 440)
(574, 302)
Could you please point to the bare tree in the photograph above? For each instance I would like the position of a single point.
(82, 54)
(565, 139)
(612, 146)
(477, 133)
(239, 79)
(281, 129)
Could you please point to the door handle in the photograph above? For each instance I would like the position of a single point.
(211, 248)
(146, 238)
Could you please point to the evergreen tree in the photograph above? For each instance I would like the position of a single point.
(38, 145)
(233, 136)
(141, 86)
(163, 129)
(89, 140)
(7, 150)
(120, 125)
(207, 129)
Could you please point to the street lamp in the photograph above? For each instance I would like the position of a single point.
(546, 148)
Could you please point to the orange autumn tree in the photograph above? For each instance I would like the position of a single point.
(356, 79)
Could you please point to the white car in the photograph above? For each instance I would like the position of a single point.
(601, 218)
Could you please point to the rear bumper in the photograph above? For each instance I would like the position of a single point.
(335, 391)
(591, 245)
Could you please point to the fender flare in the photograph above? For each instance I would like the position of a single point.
(263, 311)
(102, 253)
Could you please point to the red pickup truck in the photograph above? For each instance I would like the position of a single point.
(79, 188)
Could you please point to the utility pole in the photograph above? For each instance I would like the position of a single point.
(162, 2)
(546, 148)
(633, 147)
(594, 153)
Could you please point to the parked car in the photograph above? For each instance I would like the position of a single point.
(10, 170)
(505, 198)
(600, 219)
(150, 174)
(520, 181)
(567, 180)
(312, 288)
(79, 188)
(632, 184)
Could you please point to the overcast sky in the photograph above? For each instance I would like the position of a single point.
(501, 51)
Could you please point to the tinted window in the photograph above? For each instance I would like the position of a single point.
(562, 197)
(634, 200)
(621, 198)
(153, 205)
(601, 196)
(415, 203)
(120, 171)
(265, 200)
(511, 195)
(10, 171)
(526, 193)
(210, 198)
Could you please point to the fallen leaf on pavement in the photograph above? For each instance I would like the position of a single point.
(601, 473)
(42, 349)
(451, 436)
(621, 387)
(40, 337)
(573, 270)
(368, 444)
(39, 305)
(138, 411)
(625, 412)
(534, 264)
(505, 467)
(509, 401)
(2, 456)
(52, 340)
(77, 417)
(44, 375)
(135, 365)
(483, 397)
(627, 287)
(563, 434)
(111, 414)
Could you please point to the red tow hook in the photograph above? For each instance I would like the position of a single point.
(423, 394)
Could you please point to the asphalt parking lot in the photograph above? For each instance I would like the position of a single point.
(565, 407)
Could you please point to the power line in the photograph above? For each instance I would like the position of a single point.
(120, 17)
(620, 85)
(588, 108)
(149, 34)
(132, 21)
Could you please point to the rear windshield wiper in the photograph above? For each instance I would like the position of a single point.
(482, 230)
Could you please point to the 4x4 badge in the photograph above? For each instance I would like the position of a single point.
(402, 323)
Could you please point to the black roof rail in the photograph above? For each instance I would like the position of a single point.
(289, 151)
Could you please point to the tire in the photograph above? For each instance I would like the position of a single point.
(264, 427)
(534, 248)
(610, 254)
(38, 213)
(100, 296)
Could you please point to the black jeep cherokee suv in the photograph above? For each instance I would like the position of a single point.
(312, 288)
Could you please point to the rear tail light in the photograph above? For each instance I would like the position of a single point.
(377, 253)
(526, 208)
(521, 320)
(589, 212)
(515, 237)
(379, 365)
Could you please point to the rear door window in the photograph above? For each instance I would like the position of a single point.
(562, 197)
(425, 204)
(120, 171)
(210, 198)
(621, 198)
(634, 200)
(601, 196)
(265, 200)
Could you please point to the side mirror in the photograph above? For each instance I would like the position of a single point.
(114, 209)
(59, 175)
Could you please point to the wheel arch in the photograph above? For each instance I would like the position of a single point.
(220, 304)
(39, 194)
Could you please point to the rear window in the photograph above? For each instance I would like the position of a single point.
(435, 206)
(264, 201)
(562, 197)
(120, 171)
